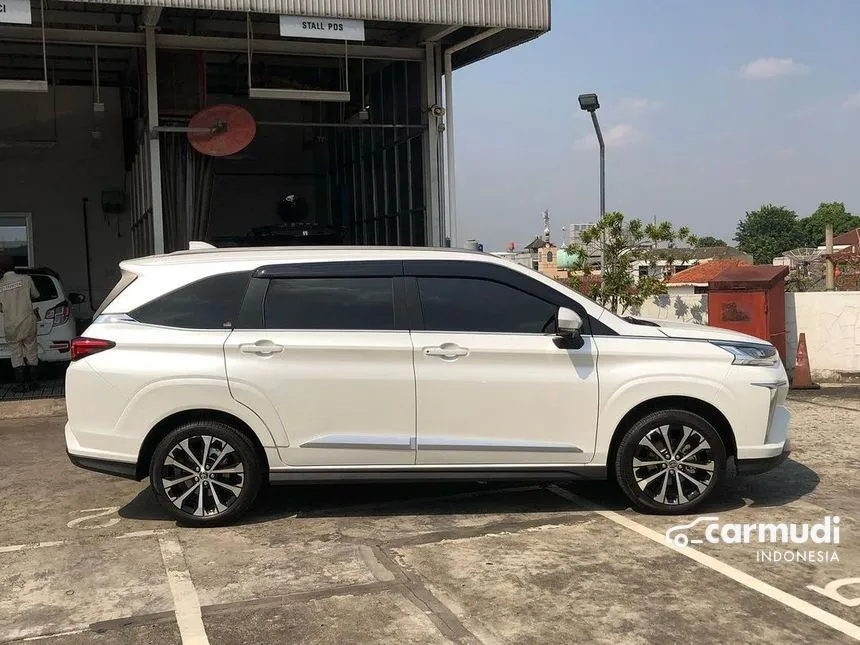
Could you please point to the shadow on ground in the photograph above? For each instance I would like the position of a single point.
(789, 482)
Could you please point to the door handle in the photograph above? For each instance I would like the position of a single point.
(448, 350)
(261, 348)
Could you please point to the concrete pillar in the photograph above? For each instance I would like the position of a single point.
(154, 148)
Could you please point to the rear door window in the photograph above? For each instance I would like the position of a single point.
(330, 303)
(210, 303)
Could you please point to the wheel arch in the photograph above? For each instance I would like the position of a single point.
(704, 409)
(163, 428)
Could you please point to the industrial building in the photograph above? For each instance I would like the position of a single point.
(130, 128)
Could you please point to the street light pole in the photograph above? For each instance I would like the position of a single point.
(602, 163)
(590, 104)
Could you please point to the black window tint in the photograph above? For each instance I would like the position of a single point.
(46, 288)
(473, 305)
(330, 303)
(210, 303)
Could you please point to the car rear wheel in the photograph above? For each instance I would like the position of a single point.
(670, 462)
(205, 473)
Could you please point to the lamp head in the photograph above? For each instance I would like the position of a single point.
(589, 102)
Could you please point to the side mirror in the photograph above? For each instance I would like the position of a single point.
(77, 298)
(569, 323)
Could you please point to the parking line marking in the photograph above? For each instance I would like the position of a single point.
(55, 635)
(25, 547)
(802, 606)
(137, 534)
(185, 601)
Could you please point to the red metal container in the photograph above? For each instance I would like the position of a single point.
(751, 300)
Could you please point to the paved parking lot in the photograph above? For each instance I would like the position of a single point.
(86, 558)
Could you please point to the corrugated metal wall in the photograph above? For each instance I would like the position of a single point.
(513, 14)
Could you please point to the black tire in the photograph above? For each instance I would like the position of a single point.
(694, 458)
(243, 455)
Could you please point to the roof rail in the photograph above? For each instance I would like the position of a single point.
(194, 245)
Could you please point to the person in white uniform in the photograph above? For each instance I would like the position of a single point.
(19, 321)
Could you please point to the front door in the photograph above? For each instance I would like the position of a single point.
(492, 386)
(331, 362)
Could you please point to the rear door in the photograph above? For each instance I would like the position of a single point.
(327, 346)
(493, 386)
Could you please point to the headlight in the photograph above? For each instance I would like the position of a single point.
(751, 354)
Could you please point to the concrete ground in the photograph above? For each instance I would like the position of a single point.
(86, 558)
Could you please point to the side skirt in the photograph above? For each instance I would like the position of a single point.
(309, 475)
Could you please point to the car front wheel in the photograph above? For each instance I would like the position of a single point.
(670, 462)
(205, 473)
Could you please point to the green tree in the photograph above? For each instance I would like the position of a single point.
(768, 232)
(708, 241)
(623, 246)
(813, 227)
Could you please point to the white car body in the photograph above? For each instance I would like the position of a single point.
(56, 325)
(336, 403)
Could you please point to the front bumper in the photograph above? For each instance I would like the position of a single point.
(758, 466)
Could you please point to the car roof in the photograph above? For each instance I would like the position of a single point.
(276, 254)
(37, 271)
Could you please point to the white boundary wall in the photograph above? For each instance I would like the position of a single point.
(830, 320)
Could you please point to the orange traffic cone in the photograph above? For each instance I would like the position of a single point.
(802, 377)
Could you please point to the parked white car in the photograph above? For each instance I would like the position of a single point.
(211, 371)
(56, 326)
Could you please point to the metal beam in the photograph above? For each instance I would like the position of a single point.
(90, 18)
(324, 50)
(72, 36)
(208, 43)
(435, 34)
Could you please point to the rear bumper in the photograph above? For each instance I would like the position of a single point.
(758, 466)
(51, 350)
(105, 466)
(100, 461)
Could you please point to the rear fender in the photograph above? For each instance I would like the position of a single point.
(164, 398)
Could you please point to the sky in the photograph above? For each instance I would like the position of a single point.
(708, 110)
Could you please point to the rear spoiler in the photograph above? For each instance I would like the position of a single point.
(194, 245)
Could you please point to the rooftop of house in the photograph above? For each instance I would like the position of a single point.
(705, 272)
(536, 244)
(704, 253)
(850, 238)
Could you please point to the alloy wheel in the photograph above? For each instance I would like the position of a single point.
(203, 475)
(673, 464)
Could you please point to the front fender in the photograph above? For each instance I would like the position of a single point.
(632, 393)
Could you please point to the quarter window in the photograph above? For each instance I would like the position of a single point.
(475, 305)
(210, 303)
(330, 303)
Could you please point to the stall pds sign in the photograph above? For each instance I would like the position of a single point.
(331, 28)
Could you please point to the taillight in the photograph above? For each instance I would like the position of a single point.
(59, 314)
(83, 347)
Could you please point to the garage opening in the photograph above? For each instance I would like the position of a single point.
(97, 100)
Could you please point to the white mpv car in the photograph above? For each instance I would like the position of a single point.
(212, 371)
